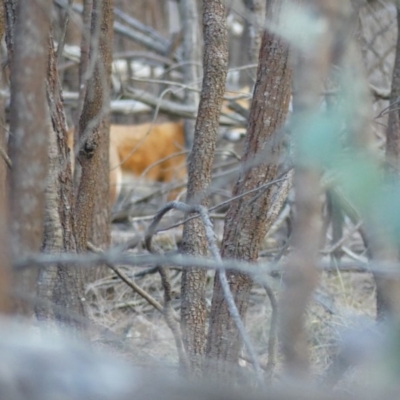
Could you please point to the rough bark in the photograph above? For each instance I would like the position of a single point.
(92, 205)
(5, 266)
(28, 139)
(215, 61)
(61, 286)
(191, 56)
(83, 80)
(246, 222)
(9, 8)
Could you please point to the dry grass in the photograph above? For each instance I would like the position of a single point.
(342, 301)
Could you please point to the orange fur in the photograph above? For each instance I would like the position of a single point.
(152, 151)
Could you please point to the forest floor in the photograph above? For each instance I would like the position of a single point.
(343, 300)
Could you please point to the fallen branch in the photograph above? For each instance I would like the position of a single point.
(137, 289)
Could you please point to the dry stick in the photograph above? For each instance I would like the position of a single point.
(6, 158)
(339, 243)
(226, 202)
(61, 41)
(172, 324)
(203, 213)
(272, 339)
(126, 280)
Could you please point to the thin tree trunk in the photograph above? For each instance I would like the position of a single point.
(193, 310)
(246, 222)
(191, 55)
(251, 39)
(92, 205)
(29, 132)
(84, 76)
(5, 266)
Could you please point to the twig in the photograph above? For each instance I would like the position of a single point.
(379, 93)
(137, 289)
(256, 271)
(135, 24)
(272, 340)
(61, 40)
(173, 108)
(336, 245)
(226, 202)
(148, 271)
(5, 157)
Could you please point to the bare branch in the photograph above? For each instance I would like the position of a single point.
(136, 288)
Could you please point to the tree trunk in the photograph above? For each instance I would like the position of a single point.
(191, 56)
(193, 310)
(29, 132)
(10, 13)
(92, 205)
(5, 266)
(63, 285)
(246, 222)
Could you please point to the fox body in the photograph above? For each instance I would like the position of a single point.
(152, 151)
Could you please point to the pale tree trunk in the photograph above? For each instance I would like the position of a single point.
(191, 56)
(246, 222)
(252, 36)
(28, 139)
(60, 286)
(5, 266)
(215, 62)
(92, 205)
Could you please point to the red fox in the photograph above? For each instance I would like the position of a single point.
(155, 151)
(152, 151)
